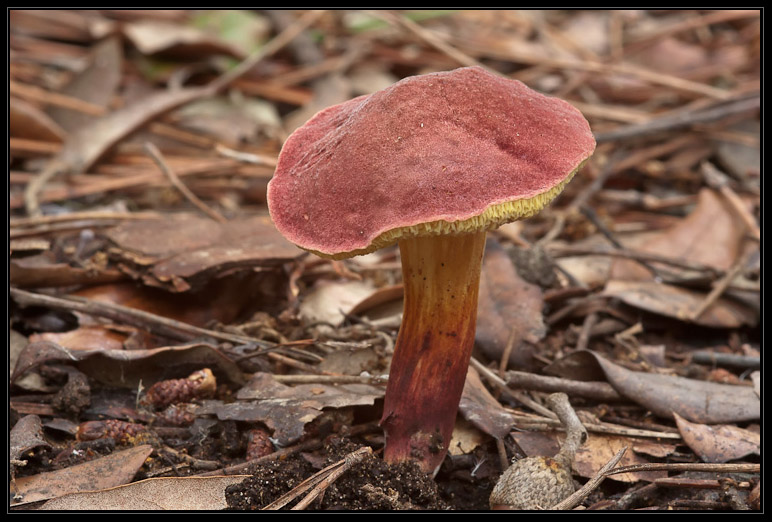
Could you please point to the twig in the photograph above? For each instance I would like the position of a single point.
(330, 379)
(159, 325)
(580, 494)
(246, 157)
(539, 423)
(94, 215)
(721, 286)
(600, 391)
(637, 255)
(430, 39)
(157, 157)
(720, 181)
(504, 362)
(725, 359)
(502, 385)
(269, 49)
(693, 466)
(584, 335)
(678, 121)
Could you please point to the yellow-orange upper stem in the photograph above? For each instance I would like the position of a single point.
(441, 276)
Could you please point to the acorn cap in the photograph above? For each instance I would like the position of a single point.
(441, 153)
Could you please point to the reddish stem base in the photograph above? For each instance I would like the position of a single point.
(441, 276)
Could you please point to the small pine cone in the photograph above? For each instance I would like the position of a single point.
(543, 482)
(176, 415)
(533, 483)
(258, 444)
(122, 432)
(197, 385)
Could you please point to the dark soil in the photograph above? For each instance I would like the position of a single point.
(370, 484)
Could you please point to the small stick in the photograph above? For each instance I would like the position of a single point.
(330, 379)
(161, 325)
(246, 157)
(430, 39)
(157, 157)
(689, 466)
(680, 120)
(95, 215)
(601, 391)
(507, 351)
(718, 180)
(502, 385)
(575, 430)
(720, 287)
(584, 335)
(637, 255)
(574, 499)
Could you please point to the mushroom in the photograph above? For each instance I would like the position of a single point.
(431, 163)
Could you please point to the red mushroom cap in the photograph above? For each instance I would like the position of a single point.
(445, 152)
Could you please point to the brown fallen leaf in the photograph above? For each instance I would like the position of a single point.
(183, 251)
(465, 438)
(105, 472)
(127, 368)
(176, 40)
(329, 301)
(594, 453)
(155, 494)
(25, 436)
(96, 84)
(680, 303)
(482, 410)
(711, 235)
(96, 337)
(698, 401)
(87, 144)
(287, 409)
(509, 309)
(28, 122)
(718, 443)
(43, 271)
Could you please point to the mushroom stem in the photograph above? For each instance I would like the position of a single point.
(441, 276)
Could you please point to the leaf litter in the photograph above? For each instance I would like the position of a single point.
(119, 285)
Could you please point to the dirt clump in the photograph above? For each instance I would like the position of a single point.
(370, 484)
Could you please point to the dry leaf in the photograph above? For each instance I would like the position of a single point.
(711, 234)
(465, 438)
(329, 301)
(482, 410)
(168, 494)
(287, 409)
(26, 435)
(175, 40)
(43, 271)
(127, 368)
(718, 443)
(698, 401)
(183, 251)
(105, 472)
(679, 303)
(96, 84)
(29, 122)
(509, 309)
(592, 456)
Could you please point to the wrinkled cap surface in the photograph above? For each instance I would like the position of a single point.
(445, 152)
